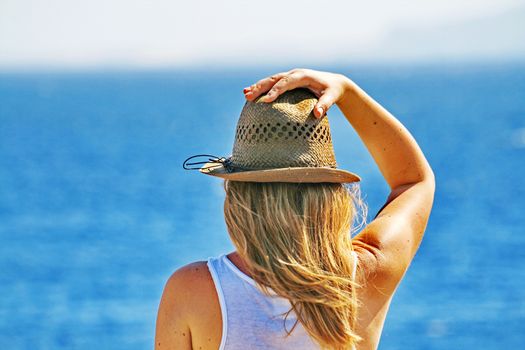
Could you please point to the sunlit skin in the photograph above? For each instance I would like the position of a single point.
(189, 315)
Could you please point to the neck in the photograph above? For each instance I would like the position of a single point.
(236, 259)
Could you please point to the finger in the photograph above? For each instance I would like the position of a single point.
(263, 85)
(317, 91)
(326, 101)
(288, 82)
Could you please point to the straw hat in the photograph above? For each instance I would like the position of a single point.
(280, 141)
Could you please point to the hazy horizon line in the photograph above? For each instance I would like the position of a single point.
(206, 66)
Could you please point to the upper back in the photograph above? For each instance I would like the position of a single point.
(217, 290)
(252, 319)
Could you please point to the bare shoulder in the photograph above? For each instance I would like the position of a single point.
(186, 286)
(385, 249)
(189, 276)
(186, 293)
(387, 246)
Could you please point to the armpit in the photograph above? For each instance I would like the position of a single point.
(369, 261)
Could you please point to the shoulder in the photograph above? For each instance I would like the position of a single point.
(389, 243)
(186, 295)
(185, 283)
(190, 273)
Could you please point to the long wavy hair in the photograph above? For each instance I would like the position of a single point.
(296, 240)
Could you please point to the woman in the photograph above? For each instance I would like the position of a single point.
(292, 281)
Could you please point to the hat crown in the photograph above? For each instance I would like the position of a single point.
(283, 133)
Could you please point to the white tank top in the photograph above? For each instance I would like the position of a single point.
(250, 318)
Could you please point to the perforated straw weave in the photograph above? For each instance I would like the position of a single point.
(284, 133)
(281, 141)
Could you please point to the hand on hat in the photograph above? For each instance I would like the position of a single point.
(328, 87)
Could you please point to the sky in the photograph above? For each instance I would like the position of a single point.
(173, 33)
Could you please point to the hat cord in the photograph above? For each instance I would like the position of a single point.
(216, 162)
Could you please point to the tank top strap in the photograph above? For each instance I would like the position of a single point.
(252, 319)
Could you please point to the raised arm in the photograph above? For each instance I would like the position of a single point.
(395, 151)
(394, 236)
(389, 243)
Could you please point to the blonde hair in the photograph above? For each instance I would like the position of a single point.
(296, 240)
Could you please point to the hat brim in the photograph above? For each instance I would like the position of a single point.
(293, 174)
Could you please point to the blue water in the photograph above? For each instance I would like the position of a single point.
(96, 212)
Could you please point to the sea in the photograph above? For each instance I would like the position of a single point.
(96, 211)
